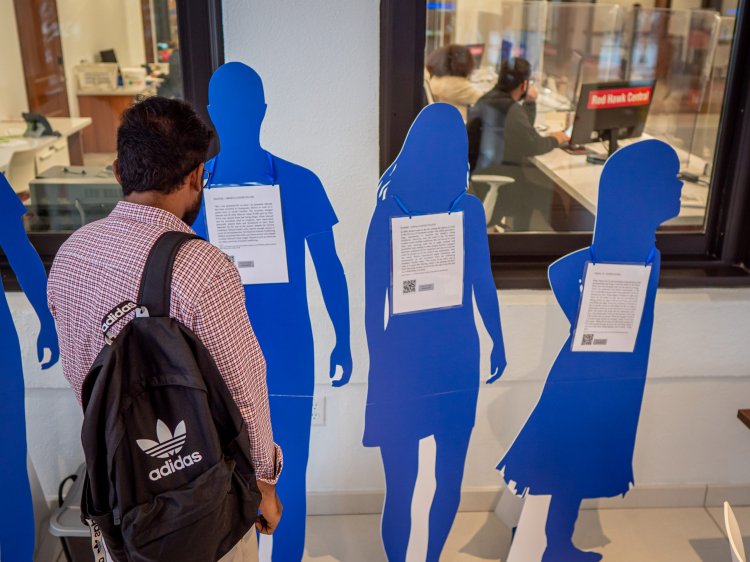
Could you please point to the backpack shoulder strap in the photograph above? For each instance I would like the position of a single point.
(156, 284)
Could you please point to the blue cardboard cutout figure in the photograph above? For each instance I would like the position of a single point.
(17, 515)
(424, 366)
(578, 442)
(279, 311)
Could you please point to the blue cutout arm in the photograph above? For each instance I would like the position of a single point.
(376, 280)
(31, 276)
(483, 283)
(564, 277)
(332, 281)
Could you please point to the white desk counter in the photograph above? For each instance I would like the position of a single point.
(66, 126)
(22, 158)
(580, 180)
(122, 91)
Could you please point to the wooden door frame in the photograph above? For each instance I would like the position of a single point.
(23, 11)
(148, 31)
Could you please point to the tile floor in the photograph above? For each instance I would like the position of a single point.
(621, 535)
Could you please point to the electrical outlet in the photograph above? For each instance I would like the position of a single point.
(319, 411)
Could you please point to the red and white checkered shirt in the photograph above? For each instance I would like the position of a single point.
(100, 266)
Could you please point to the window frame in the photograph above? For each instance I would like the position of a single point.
(716, 257)
(200, 29)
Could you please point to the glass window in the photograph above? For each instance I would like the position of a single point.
(552, 88)
(71, 67)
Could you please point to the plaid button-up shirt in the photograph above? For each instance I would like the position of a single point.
(100, 266)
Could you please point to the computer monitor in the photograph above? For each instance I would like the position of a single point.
(575, 76)
(108, 55)
(477, 52)
(612, 111)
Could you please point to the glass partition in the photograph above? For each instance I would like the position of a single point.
(703, 144)
(676, 58)
(676, 49)
(70, 70)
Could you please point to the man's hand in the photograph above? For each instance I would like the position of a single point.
(270, 509)
(560, 137)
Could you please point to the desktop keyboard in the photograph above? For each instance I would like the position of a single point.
(574, 148)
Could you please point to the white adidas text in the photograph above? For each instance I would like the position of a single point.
(170, 467)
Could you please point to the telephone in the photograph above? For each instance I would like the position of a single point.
(38, 126)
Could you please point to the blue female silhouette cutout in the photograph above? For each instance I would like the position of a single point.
(424, 366)
(578, 442)
(16, 513)
(279, 312)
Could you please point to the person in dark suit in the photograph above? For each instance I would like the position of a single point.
(502, 138)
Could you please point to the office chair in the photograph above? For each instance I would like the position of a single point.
(490, 200)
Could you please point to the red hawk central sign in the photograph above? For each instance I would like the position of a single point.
(620, 97)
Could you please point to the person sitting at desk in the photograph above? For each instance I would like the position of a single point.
(172, 85)
(502, 138)
(449, 68)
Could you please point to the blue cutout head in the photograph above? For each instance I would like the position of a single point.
(639, 184)
(433, 163)
(237, 104)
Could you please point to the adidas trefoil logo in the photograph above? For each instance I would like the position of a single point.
(169, 443)
(168, 446)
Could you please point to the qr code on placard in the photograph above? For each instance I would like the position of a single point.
(410, 286)
(588, 339)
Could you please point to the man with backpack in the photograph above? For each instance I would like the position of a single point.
(157, 346)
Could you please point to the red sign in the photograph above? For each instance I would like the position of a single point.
(620, 97)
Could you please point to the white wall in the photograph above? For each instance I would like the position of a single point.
(689, 434)
(90, 26)
(467, 18)
(319, 61)
(12, 85)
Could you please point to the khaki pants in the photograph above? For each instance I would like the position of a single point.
(245, 551)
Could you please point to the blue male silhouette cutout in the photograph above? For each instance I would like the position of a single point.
(424, 366)
(17, 515)
(279, 312)
(578, 442)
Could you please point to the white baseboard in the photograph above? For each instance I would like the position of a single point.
(478, 499)
(650, 496)
(735, 494)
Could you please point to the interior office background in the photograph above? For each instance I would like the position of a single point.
(86, 28)
(320, 62)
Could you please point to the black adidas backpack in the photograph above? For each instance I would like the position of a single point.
(168, 470)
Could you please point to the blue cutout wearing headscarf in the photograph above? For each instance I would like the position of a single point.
(16, 512)
(424, 366)
(279, 312)
(578, 442)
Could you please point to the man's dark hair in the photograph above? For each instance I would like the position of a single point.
(450, 60)
(159, 142)
(513, 75)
